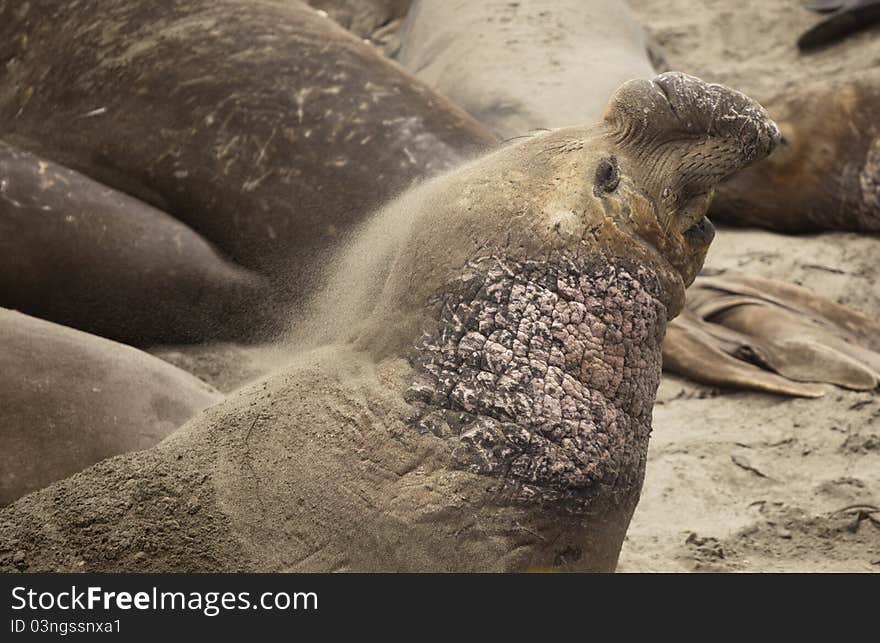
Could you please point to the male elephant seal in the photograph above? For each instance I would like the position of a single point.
(235, 117)
(81, 254)
(825, 175)
(514, 64)
(491, 410)
(70, 399)
(824, 171)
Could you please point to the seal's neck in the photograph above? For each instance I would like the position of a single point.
(546, 376)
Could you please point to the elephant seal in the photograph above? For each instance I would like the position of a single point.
(78, 253)
(490, 407)
(825, 175)
(515, 66)
(232, 116)
(70, 399)
(694, 347)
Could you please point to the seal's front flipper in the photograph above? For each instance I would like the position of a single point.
(851, 16)
(771, 328)
(856, 327)
(802, 351)
(694, 349)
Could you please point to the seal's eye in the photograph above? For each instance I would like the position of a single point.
(607, 175)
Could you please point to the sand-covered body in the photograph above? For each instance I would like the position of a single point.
(336, 480)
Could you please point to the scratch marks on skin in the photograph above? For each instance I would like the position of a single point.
(192, 82)
(4, 185)
(252, 184)
(224, 151)
(303, 95)
(300, 99)
(174, 27)
(100, 111)
(376, 92)
(262, 148)
(28, 94)
(869, 180)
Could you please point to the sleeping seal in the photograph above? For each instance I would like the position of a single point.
(232, 116)
(825, 174)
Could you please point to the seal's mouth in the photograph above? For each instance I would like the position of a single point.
(701, 233)
(693, 212)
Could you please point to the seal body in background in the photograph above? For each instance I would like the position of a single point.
(826, 173)
(516, 66)
(81, 254)
(264, 127)
(70, 399)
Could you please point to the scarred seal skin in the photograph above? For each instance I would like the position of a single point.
(70, 399)
(491, 407)
(83, 255)
(234, 117)
(825, 175)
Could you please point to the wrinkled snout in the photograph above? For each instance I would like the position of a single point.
(718, 111)
(731, 130)
(679, 137)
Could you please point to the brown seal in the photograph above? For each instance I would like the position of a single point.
(70, 399)
(81, 254)
(492, 405)
(265, 127)
(825, 174)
